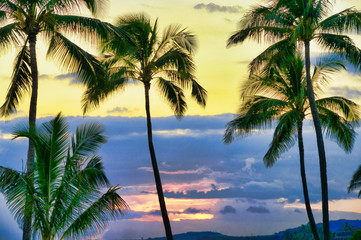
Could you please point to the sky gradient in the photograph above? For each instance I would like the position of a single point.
(208, 186)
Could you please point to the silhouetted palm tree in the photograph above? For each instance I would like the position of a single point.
(289, 22)
(165, 61)
(277, 93)
(65, 189)
(27, 20)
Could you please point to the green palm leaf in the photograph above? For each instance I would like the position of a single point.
(109, 205)
(173, 95)
(283, 137)
(20, 83)
(74, 59)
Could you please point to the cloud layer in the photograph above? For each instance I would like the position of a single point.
(209, 186)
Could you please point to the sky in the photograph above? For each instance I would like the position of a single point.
(208, 186)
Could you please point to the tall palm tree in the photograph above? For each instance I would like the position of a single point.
(277, 93)
(289, 22)
(165, 61)
(65, 189)
(24, 21)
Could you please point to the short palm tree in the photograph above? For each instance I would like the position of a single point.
(66, 188)
(278, 94)
(24, 21)
(289, 22)
(165, 61)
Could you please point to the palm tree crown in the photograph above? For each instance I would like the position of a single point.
(165, 61)
(287, 23)
(278, 93)
(65, 190)
(25, 20)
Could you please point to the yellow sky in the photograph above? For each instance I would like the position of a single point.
(219, 70)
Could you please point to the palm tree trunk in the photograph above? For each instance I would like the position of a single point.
(153, 158)
(320, 144)
(304, 182)
(32, 120)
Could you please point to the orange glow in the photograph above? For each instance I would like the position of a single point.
(176, 207)
(185, 216)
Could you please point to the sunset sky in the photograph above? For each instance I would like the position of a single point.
(208, 186)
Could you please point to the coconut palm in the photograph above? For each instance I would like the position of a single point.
(277, 93)
(66, 188)
(165, 61)
(23, 22)
(292, 23)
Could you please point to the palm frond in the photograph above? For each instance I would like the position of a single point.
(109, 206)
(173, 95)
(74, 59)
(61, 6)
(181, 36)
(342, 106)
(355, 182)
(53, 138)
(2, 16)
(14, 187)
(88, 139)
(91, 29)
(257, 113)
(272, 54)
(283, 137)
(258, 33)
(342, 45)
(199, 93)
(21, 82)
(179, 60)
(348, 20)
(9, 36)
(337, 128)
(97, 92)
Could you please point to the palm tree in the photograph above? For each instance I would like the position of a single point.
(288, 22)
(65, 189)
(278, 93)
(24, 21)
(165, 61)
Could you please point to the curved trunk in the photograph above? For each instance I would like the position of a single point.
(153, 158)
(304, 182)
(32, 120)
(320, 144)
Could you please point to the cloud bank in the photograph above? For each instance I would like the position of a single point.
(212, 7)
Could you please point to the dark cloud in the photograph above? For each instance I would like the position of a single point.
(118, 110)
(195, 210)
(258, 209)
(155, 213)
(212, 7)
(346, 92)
(73, 77)
(228, 209)
(66, 76)
(43, 76)
(298, 211)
